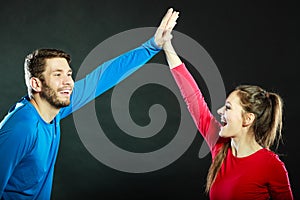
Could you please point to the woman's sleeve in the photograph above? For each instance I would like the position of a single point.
(207, 125)
(279, 184)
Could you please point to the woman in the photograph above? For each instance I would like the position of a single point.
(243, 165)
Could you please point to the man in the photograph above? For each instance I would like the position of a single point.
(30, 132)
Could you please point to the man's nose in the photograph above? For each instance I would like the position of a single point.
(68, 80)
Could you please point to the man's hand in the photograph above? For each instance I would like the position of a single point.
(163, 33)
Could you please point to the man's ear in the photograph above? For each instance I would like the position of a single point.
(248, 119)
(36, 84)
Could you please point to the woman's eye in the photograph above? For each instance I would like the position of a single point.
(227, 107)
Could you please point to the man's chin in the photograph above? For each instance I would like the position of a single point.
(65, 104)
(61, 104)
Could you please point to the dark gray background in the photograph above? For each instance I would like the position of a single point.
(251, 42)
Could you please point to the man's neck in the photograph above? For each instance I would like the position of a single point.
(45, 110)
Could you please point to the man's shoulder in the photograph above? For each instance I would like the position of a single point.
(21, 117)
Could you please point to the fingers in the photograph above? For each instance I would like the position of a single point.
(169, 20)
(163, 32)
(166, 18)
(164, 22)
(172, 21)
(167, 35)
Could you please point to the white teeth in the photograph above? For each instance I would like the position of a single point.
(65, 91)
(223, 121)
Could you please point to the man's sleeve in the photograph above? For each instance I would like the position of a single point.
(109, 74)
(15, 142)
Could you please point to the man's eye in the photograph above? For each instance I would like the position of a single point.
(57, 74)
(227, 107)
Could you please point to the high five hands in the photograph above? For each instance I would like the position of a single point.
(163, 32)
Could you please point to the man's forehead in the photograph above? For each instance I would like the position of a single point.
(57, 64)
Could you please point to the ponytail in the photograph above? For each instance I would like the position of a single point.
(216, 165)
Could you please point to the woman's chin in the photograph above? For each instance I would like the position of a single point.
(222, 132)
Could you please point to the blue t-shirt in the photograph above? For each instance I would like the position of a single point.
(29, 145)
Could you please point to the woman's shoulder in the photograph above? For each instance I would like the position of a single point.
(271, 157)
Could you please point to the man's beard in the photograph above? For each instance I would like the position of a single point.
(50, 95)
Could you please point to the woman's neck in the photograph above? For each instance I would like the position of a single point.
(244, 146)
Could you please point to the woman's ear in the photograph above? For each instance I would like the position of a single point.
(248, 119)
(36, 84)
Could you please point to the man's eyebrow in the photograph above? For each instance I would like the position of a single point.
(61, 70)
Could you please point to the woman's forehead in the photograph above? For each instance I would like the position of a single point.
(233, 98)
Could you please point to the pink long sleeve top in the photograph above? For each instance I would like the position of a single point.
(261, 175)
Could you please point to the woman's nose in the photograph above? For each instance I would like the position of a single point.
(220, 111)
